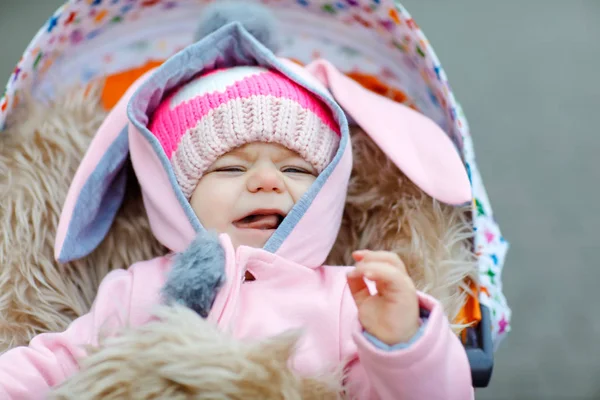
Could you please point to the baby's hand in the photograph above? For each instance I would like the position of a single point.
(391, 315)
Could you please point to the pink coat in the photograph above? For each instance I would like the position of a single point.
(284, 295)
(292, 288)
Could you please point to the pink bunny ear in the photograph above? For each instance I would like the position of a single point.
(416, 144)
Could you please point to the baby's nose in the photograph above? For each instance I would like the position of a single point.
(266, 179)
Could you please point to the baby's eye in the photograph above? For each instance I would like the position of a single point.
(230, 169)
(295, 170)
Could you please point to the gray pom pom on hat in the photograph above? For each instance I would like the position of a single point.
(257, 19)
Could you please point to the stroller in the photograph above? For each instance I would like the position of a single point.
(375, 42)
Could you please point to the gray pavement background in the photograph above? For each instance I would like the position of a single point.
(524, 73)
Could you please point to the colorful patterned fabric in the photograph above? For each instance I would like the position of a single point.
(87, 39)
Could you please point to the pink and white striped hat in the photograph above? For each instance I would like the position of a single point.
(227, 108)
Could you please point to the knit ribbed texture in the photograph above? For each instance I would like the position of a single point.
(225, 109)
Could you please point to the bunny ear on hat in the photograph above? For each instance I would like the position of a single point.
(415, 143)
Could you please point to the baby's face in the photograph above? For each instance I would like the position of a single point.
(247, 192)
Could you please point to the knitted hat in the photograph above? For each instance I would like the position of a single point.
(227, 108)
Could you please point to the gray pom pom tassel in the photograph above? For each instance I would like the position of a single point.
(197, 274)
(257, 19)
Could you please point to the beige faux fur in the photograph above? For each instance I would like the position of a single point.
(182, 356)
(38, 157)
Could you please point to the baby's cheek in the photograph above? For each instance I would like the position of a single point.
(212, 214)
(210, 202)
(297, 188)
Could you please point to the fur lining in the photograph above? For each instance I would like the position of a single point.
(182, 356)
(197, 274)
(39, 154)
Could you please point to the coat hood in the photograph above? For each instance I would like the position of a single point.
(415, 143)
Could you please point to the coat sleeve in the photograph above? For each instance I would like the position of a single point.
(29, 372)
(435, 366)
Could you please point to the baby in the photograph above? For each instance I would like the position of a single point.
(260, 155)
(244, 168)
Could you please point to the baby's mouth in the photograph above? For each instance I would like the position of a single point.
(263, 220)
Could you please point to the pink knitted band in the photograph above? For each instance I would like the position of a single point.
(183, 116)
(225, 109)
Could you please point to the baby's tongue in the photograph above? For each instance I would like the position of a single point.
(259, 222)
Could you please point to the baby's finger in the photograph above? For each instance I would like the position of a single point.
(358, 255)
(358, 287)
(387, 277)
(381, 256)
